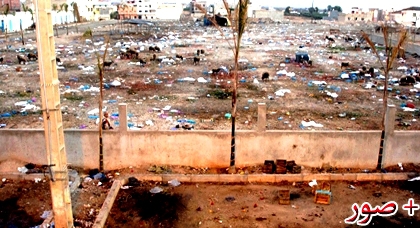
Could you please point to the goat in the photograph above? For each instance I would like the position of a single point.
(21, 59)
(32, 57)
(196, 60)
(1, 60)
(198, 52)
(58, 60)
(142, 61)
(153, 58)
(157, 49)
(265, 76)
(179, 57)
(407, 80)
(345, 64)
(151, 48)
(202, 51)
(330, 39)
(108, 63)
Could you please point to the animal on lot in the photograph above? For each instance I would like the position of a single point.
(142, 61)
(265, 76)
(179, 57)
(215, 71)
(345, 64)
(330, 39)
(371, 71)
(21, 59)
(202, 51)
(1, 60)
(153, 57)
(407, 80)
(157, 49)
(151, 48)
(348, 39)
(32, 56)
(198, 52)
(196, 60)
(108, 63)
(58, 60)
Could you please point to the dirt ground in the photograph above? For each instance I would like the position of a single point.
(147, 90)
(210, 205)
(22, 203)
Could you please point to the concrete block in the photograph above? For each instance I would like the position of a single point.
(205, 178)
(180, 177)
(394, 176)
(343, 176)
(233, 178)
(262, 178)
(289, 177)
(321, 176)
(369, 177)
(147, 177)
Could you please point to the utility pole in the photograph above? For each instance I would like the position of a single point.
(53, 126)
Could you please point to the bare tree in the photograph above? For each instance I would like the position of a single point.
(238, 21)
(76, 14)
(391, 53)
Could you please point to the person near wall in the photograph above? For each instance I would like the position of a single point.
(106, 125)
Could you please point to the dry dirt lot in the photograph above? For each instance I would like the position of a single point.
(156, 85)
(209, 205)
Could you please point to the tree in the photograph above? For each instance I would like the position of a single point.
(287, 11)
(391, 53)
(64, 7)
(239, 20)
(311, 10)
(55, 8)
(316, 9)
(338, 8)
(329, 8)
(76, 14)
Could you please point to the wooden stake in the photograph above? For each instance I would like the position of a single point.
(53, 126)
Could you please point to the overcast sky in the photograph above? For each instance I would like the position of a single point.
(345, 5)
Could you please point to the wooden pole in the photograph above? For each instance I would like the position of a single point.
(53, 126)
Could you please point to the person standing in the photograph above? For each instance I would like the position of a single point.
(106, 125)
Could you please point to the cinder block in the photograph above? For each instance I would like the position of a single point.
(233, 178)
(289, 177)
(179, 177)
(148, 177)
(343, 176)
(321, 176)
(262, 178)
(394, 176)
(369, 177)
(205, 178)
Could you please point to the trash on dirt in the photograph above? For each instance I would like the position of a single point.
(312, 183)
(156, 190)
(132, 181)
(37, 180)
(46, 214)
(400, 165)
(377, 194)
(22, 169)
(310, 124)
(174, 183)
(352, 187)
(282, 92)
(3, 180)
(260, 218)
(230, 199)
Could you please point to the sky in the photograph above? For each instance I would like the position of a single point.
(345, 5)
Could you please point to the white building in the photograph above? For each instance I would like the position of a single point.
(408, 17)
(169, 10)
(102, 10)
(144, 9)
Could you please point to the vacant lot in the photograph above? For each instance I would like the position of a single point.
(148, 89)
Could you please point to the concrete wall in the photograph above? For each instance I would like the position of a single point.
(123, 148)
(409, 47)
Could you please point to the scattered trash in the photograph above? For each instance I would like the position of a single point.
(174, 183)
(156, 190)
(352, 187)
(230, 199)
(312, 183)
(22, 169)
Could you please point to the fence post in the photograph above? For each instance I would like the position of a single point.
(122, 116)
(389, 132)
(262, 117)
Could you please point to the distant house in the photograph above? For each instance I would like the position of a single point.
(408, 17)
(14, 5)
(275, 15)
(357, 15)
(169, 10)
(332, 16)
